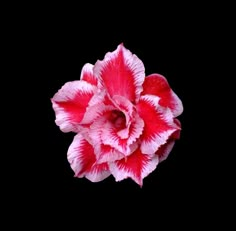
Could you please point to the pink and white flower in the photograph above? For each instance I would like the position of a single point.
(125, 123)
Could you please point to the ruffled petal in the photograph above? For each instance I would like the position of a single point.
(106, 153)
(121, 73)
(165, 149)
(176, 134)
(70, 104)
(117, 126)
(87, 74)
(97, 111)
(158, 124)
(127, 108)
(103, 152)
(156, 84)
(83, 161)
(136, 166)
(113, 137)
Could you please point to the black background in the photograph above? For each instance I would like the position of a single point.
(166, 49)
(174, 43)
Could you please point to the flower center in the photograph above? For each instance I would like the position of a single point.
(118, 119)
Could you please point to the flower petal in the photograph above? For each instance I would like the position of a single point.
(165, 149)
(87, 74)
(127, 108)
(103, 152)
(99, 106)
(176, 134)
(156, 84)
(106, 153)
(83, 160)
(121, 73)
(158, 122)
(96, 111)
(136, 166)
(112, 137)
(70, 103)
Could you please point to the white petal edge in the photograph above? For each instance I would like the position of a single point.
(178, 109)
(121, 174)
(62, 119)
(69, 90)
(151, 146)
(167, 150)
(131, 60)
(74, 153)
(95, 177)
(66, 93)
(113, 140)
(86, 69)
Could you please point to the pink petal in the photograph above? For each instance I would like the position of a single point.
(125, 106)
(113, 137)
(96, 111)
(70, 104)
(176, 134)
(121, 73)
(164, 151)
(103, 152)
(83, 161)
(99, 106)
(106, 153)
(156, 84)
(87, 74)
(107, 129)
(158, 122)
(136, 166)
(99, 97)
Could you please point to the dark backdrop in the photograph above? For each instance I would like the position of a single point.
(172, 43)
(167, 51)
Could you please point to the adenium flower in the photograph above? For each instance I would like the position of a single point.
(125, 123)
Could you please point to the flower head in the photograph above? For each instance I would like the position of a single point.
(125, 123)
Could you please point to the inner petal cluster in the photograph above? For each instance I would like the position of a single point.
(117, 118)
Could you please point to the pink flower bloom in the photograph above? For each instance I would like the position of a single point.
(125, 122)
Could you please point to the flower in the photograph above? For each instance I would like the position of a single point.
(125, 123)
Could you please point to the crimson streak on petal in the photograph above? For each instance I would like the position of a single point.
(136, 166)
(165, 149)
(121, 73)
(158, 124)
(156, 84)
(70, 104)
(83, 160)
